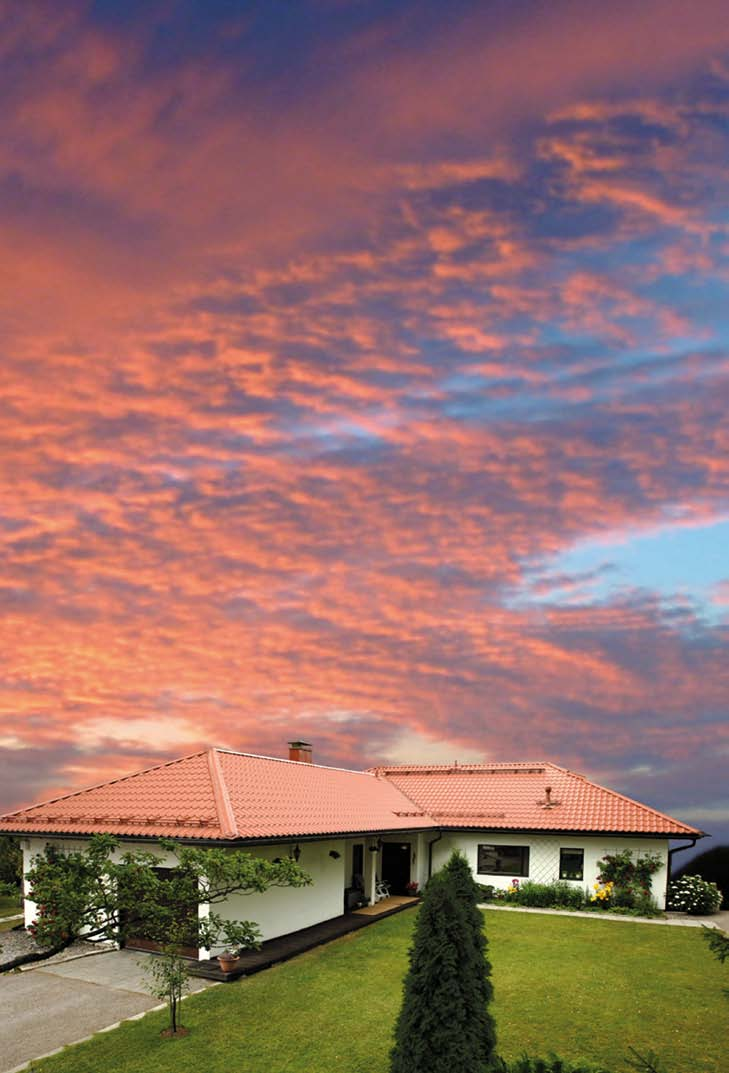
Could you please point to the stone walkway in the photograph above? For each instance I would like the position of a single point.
(683, 920)
(48, 1006)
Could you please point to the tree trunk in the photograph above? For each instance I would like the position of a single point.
(36, 955)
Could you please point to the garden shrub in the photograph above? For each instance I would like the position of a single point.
(630, 878)
(474, 955)
(537, 895)
(692, 894)
(557, 895)
(442, 1026)
(486, 891)
(623, 898)
(550, 1064)
(567, 896)
(713, 865)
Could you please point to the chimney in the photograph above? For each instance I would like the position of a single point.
(548, 795)
(300, 751)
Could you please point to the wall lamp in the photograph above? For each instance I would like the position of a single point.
(334, 854)
(296, 852)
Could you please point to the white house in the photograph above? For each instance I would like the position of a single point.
(348, 829)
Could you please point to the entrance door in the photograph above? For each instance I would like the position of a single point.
(396, 866)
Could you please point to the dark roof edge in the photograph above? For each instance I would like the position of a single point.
(242, 840)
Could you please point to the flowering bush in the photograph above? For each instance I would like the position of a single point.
(602, 893)
(630, 880)
(692, 894)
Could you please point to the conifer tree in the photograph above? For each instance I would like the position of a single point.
(475, 963)
(436, 1031)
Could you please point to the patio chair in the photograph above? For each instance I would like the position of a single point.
(382, 890)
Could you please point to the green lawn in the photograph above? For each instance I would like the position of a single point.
(9, 906)
(583, 988)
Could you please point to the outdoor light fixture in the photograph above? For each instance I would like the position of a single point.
(376, 846)
(297, 852)
(334, 854)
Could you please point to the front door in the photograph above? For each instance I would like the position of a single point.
(396, 866)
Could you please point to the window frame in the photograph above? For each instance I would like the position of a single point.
(571, 879)
(497, 848)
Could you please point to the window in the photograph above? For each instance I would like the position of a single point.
(571, 864)
(503, 860)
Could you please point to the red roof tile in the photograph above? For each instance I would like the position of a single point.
(513, 797)
(226, 795)
(222, 795)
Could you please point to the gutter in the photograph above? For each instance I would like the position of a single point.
(678, 849)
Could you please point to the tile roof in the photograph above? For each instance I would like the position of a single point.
(223, 796)
(513, 797)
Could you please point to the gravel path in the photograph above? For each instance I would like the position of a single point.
(17, 941)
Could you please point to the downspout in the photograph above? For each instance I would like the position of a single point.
(430, 852)
(677, 849)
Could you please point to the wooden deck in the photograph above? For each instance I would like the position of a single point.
(284, 947)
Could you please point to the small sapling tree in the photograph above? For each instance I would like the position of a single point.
(169, 981)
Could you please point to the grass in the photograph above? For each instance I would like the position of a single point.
(9, 907)
(583, 988)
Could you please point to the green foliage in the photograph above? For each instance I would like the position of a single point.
(11, 863)
(559, 895)
(168, 980)
(437, 1030)
(713, 866)
(719, 945)
(646, 1063)
(551, 1064)
(475, 965)
(631, 878)
(694, 895)
(535, 895)
(103, 894)
(563, 895)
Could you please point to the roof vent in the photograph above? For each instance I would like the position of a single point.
(300, 752)
(548, 802)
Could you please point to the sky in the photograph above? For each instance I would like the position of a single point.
(364, 378)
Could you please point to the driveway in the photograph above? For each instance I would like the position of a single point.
(50, 1006)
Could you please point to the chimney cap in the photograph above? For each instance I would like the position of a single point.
(299, 744)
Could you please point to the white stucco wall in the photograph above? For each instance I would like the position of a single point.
(544, 855)
(281, 910)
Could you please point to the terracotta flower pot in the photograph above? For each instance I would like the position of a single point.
(227, 964)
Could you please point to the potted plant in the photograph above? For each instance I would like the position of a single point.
(411, 888)
(228, 961)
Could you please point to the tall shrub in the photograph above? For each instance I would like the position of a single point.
(435, 1031)
(475, 960)
(713, 866)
